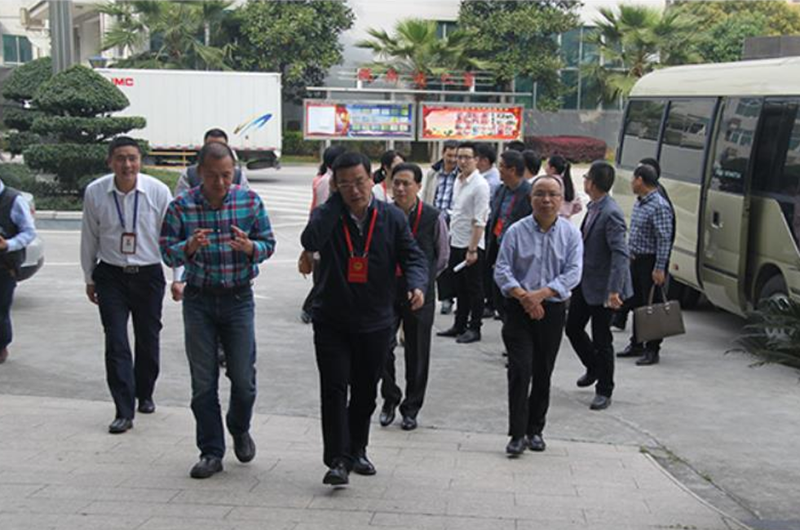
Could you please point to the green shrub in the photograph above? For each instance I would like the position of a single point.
(167, 176)
(17, 142)
(69, 162)
(79, 91)
(294, 144)
(19, 118)
(86, 130)
(16, 176)
(26, 79)
(772, 333)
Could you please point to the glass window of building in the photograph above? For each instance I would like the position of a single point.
(17, 49)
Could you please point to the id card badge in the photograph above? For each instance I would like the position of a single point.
(357, 270)
(498, 228)
(127, 244)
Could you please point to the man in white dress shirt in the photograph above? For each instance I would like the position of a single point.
(121, 261)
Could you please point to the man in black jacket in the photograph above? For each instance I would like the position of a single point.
(361, 242)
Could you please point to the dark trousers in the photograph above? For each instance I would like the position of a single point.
(7, 285)
(469, 290)
(308, 303)
(532, 348)
(445, 285)
(596, 353)
(642, 276)
(417, 327)
(121, 295)
(354, 360)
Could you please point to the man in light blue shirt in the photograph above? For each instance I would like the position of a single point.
(17, 231)
(539, 264)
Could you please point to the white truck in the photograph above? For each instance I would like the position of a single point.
(181, 105)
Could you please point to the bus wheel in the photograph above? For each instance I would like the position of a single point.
(773, 289)
(687, 296)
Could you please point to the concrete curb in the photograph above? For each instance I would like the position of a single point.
(58, 215)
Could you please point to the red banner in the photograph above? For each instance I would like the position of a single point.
(476, 122)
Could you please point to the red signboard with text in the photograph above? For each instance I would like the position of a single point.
(489, 122)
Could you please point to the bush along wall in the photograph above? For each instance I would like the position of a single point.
(76, 127)
(573, 148)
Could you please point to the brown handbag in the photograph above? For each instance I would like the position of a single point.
(656, 321)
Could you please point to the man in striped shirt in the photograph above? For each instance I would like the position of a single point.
(219, 233)
(650, 244)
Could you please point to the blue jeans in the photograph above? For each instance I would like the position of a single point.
(227, 318)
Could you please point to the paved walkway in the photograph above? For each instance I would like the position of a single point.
(59, 469)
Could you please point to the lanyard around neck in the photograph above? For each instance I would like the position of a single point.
(369, 234)
(135, 209)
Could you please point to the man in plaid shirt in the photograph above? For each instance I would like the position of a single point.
(220, 233)
(650, 244)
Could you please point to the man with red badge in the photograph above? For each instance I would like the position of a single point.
(361, 242)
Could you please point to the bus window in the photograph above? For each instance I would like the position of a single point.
(685, 132)
(777, 174)
(734, 144)
(642, 125)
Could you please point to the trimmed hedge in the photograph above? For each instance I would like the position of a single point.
(573, 148)
(27, 78)
(86, 130)
(294, 144)
(17, 142)
(79, 91)
(16, 176)
(69, 161)
(19, 118)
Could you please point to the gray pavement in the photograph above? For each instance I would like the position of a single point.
(60, 470)
(724, 429)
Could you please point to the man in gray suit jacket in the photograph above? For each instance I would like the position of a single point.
(605, 283)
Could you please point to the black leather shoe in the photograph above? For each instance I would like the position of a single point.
(387, 414)
(631, 351)
(409, 423)
(337, 475)
(586, 379)
(515, 447)
(452, 332)
(207, 466)
(469, 337)
(146, 406)
(362, 465)
(600, 402)
(244, 447)
(120, 425)
(536, 443)
(649, 358)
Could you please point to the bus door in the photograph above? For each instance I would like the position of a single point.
(725, 216)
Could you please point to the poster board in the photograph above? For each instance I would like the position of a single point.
(358, 120)
(489, 122)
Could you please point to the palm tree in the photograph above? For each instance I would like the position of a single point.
(182, 31)
(635, 41)
(416, 49)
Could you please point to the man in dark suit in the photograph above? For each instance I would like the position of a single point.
(605, 283)
(510, 203)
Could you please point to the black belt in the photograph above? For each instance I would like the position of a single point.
(132, 269)
(218, 290)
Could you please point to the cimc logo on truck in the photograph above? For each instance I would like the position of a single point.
(122, 81)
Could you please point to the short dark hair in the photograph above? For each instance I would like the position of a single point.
(654, 163)
(215, 133)
(601, 173)
(515, 145)
(388, 157)
(122, 141)
(449, 144)
(408, 166)
(467, 145)
(351, 159)
(647, 173)
(513, 159)
(484, 150)
(533, 161)
(216, 151)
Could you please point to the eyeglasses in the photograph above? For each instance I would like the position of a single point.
(543, 194)
(465, 157)
(358, 183)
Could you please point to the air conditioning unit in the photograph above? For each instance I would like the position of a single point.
(27, 20)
